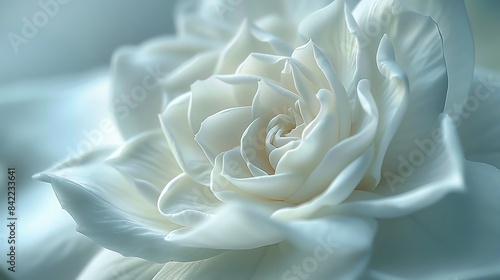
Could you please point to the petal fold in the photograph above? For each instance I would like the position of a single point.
(110, 210)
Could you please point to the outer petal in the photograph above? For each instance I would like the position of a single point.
(478, 120)
(148, 162)
(456, 238)
(137, 94)
(249, 39)
(330, 248)
(109, 265)
(453, 24)
(233, 227)
(421, 57)
(392, 103)
(180, 137)
(100, 199)
(375, 16)
(423, 178)
(339, 43)
(187, 203)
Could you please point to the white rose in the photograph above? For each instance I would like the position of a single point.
(147, 77)
(289, 165)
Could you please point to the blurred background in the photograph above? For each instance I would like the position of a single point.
(77, 36)
(54, 59)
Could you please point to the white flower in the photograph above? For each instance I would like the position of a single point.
(327, 154)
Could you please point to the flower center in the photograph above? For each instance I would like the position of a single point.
(284, 131)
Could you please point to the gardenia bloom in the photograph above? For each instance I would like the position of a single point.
(332, 155)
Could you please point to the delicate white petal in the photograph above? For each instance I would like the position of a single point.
(272, 187)
(348, 150)
(456, 238)
(271, 100)
(147, 160)
(249, 39)
(321, 74)
(339, 43)
(421, 57)
(330, 248)
(478, 119)
(374, 17)
(319, 137)
(392, 102)
(219, 93)
(222, 131)
(422, 178)
(199, 67)
(109, 265)
(180, 137)
(137, 97)
(263, 65)
(253, 148)
(99, 199)
(453, 24)
(228, 192)
(341, 187)
(233, 227)
(186, 202)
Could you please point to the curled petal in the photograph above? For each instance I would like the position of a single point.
(99, 199)
(425, 176)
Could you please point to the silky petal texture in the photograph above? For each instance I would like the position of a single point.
(187, 203)
(198, 67)
(249, 39)
(339, 189)
(137, 95)
(182, 118)
(456, 238)
(180, 136)
(217, 94)
(92, 189)
(478, 119)
(108, 265)
(453, 23)
(234, 120)
(226, 191)
(337, 247)
(272, 187)
(374, 16)
(350, 148)
(421, 57)
(419, 182)
(340, 43)
(233, 227)
(392, 102)
(147, 161)
(213, 23)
